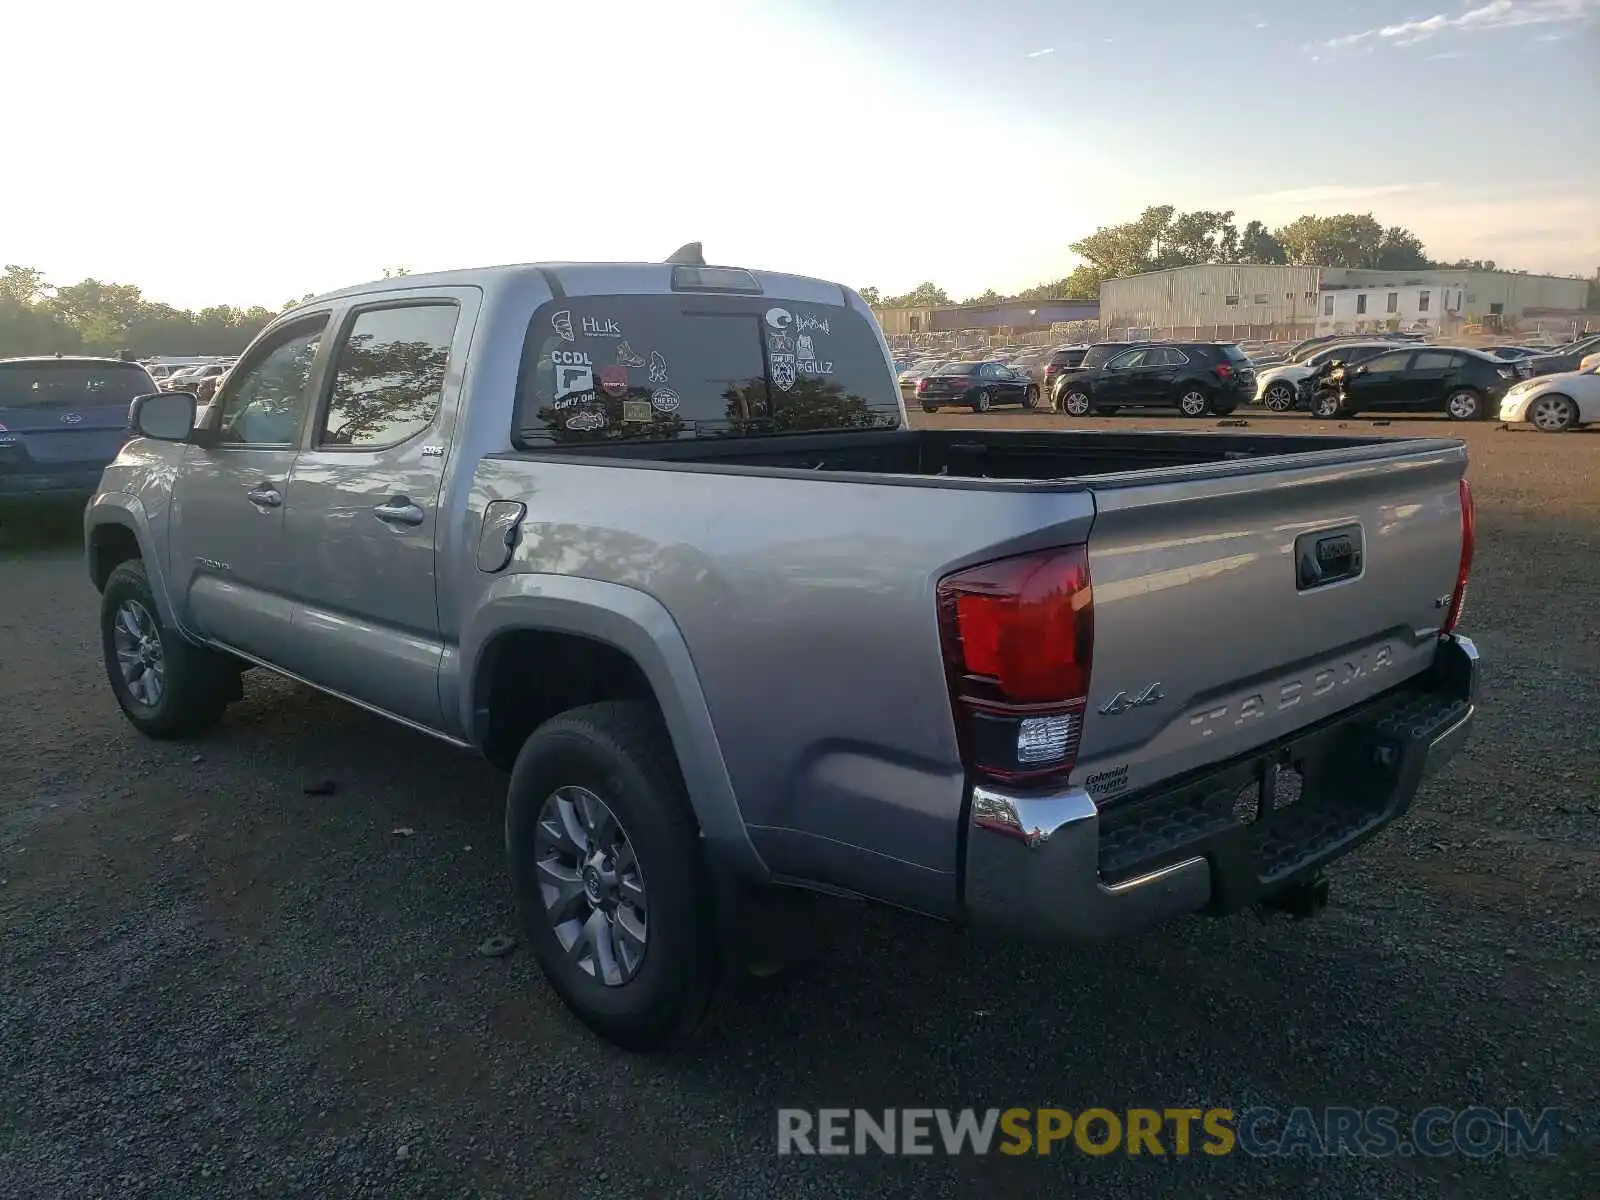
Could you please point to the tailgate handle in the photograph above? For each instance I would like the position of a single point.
(1327, 556)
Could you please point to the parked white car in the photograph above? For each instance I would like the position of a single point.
(1555, 403)
(1279, 387)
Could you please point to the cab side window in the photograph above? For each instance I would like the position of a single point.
(389, 376)
(265, 397)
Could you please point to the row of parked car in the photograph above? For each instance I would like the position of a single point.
(1327, 376)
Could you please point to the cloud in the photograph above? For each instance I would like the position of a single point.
(1040, 53)
(1261, 24)
(1497, 14)
(1334, 193)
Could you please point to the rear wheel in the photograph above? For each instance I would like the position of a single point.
(1279, 396)
(1075, 402)
(1464, 404)
(1327, 405)
(606, 867)
(1553, 414)
(930, 408)
(1223, 407)
(167, 686)
(982, 402)
(1030, 398)
(1193, 402)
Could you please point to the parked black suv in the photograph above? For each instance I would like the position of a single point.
(1196, 378)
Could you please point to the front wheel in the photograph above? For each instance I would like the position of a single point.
(1076, 403)
(1326, 405)
(982, 402)
(1192, 402)
(1030, 398)
(1464, 404)
(1553, 414)
(166, 685)
(1279, 396)
(606, 867)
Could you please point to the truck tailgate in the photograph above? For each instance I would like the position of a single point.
(1214, 636)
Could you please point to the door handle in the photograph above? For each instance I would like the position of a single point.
(399, 511)
(264, 496)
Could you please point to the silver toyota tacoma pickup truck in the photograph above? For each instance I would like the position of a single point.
(656, 538)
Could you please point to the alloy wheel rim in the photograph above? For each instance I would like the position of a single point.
(1462, 404)
(1077, 404)
(1192, 403)
(592, 885)
(1550, 414)
(1279, 397)
(137, 644)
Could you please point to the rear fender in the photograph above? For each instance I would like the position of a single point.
(639, 626)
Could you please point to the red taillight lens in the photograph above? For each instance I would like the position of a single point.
(1458, 600)
(922, 384)
(1224, 372)
(1018, 635)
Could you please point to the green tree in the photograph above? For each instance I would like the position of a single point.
(23, 285)
(1350, 240)
(1257, 245)
(989, 297)
(924, 295)
(872, 296)
(1401, 250)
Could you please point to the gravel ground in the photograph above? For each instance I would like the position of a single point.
(213, 983)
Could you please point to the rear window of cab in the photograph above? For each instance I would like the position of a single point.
(658, 367)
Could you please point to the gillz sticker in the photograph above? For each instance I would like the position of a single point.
(561, 322)
(815, 366)
(614, 381)
(806, 323)
(780, 343)
(658, 367)
(636, 412)
(626, 357)
(665, 400)
(587, 421)
(783, 371)
(779, 318)
(573, 377)
(601, 327)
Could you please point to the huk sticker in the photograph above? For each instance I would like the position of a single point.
(779, 318)
(664, 400)
(806, 323)
(614, 381)
(658, 367)
(587, 421)
(636, 412)
(626, 357)
(601, 327)
(573, 377)
(561, 322)
(783, 370)
(780, 343)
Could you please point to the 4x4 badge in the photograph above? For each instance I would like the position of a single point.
(1122, 702)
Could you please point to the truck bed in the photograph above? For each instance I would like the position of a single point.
(971, 455)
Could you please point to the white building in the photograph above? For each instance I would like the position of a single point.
(1360, 308)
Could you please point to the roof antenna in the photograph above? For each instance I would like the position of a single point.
(687, 255)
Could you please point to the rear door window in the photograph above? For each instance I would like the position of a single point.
(655, 367)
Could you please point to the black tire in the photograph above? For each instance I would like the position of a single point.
(1465, 404)
(1076, 402)
(620, 751)
(981, 403)
(1223, 408)
(1553, 414)
(930, 408)
(1030, 398)
(1326, 407)
(196, 684)
(1193, 400)
(1280, 396)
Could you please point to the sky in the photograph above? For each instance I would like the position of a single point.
(243, 154)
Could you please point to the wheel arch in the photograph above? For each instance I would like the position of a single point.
(606, 637)
(117, 530)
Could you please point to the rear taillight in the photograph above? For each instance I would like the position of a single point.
(1018, 635)
(1224, 372)
(1458, 599)
(922, 385)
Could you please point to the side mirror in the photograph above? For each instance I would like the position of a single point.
(165, 416)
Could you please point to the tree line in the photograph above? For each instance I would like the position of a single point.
(1162, 238)
(92, 317)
